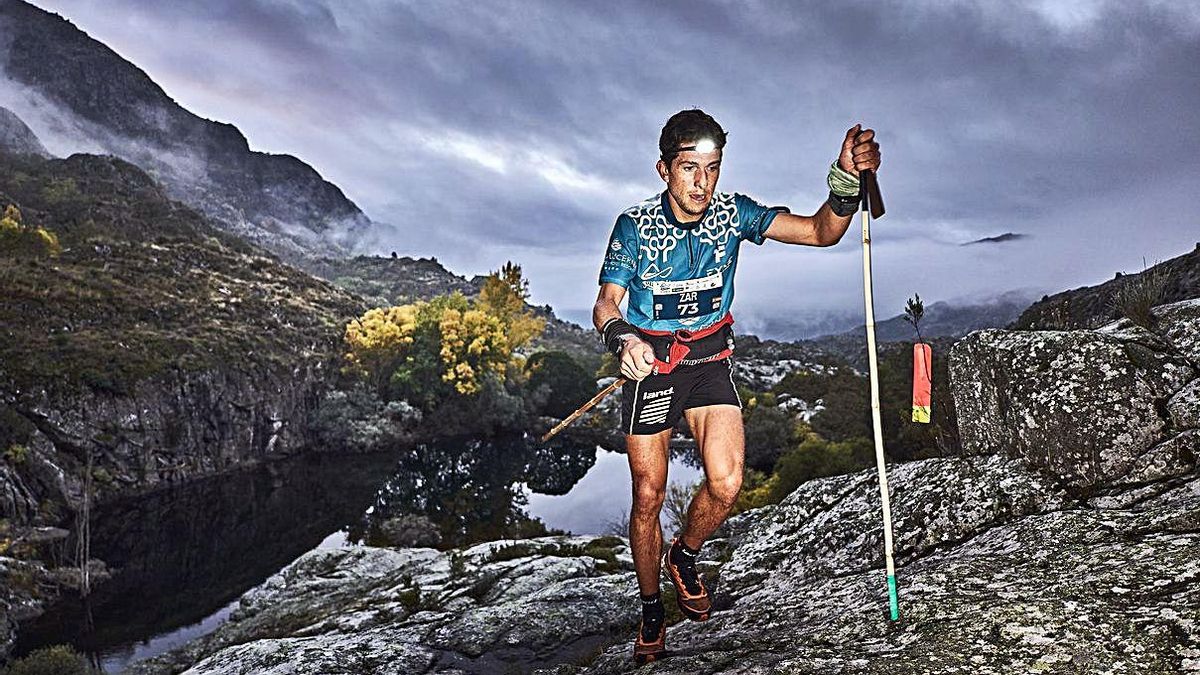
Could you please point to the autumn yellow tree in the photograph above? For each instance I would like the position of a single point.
(17, 237)
(472, 345)
(378, 342)
(503, 295)
(426, 351)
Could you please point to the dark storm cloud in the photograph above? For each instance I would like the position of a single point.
(528, 126)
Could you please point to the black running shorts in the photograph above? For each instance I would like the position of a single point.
(656, 402)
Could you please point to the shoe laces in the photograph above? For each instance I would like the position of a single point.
(650, 629)
(686, 565)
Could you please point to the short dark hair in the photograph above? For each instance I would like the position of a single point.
(685, 127)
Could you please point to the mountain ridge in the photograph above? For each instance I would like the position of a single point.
(77, 87)
(1177, 279)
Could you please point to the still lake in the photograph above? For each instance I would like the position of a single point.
(183, 556)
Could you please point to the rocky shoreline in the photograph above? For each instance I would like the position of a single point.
(1063, 540)
(999, 572)
(1006, 562)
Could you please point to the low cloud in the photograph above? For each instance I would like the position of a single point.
(998, 239)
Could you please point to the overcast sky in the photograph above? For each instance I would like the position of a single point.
(487, 131)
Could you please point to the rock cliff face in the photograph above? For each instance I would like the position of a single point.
(167, 430)
(1104, 411)
(18, 138)
(154, 347)
(1007, 561)
(154, 344)
(80, 94)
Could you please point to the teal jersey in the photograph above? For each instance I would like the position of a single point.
(680, 275)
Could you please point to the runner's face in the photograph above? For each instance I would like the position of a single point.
(691, 179)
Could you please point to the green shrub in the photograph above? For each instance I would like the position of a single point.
(607, 541)
(1138, 295)
(757, 490)
(16, 453)
(568, 385)
(847, 412)
(816, 458)
(514, 551)
(769, 433)
(458, 564)
(55, 660)
(606, 556)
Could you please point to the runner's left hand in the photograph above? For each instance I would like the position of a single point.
(860, 150)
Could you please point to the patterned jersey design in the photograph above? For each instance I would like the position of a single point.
(680, 275)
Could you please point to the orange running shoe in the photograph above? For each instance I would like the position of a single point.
(690, 592)
(645, 652)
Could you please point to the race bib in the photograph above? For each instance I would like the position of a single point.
(687, 298)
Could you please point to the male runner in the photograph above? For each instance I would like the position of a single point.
(675, 255)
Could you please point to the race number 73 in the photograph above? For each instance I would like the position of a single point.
(688, 304)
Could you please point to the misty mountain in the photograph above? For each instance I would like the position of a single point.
(77, 95)
(800, 325)
(941, 320)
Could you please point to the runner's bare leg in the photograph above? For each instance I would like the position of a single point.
(718, 433)
(648, 458)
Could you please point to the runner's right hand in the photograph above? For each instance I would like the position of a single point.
(637, 359)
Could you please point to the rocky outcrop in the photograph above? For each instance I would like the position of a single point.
(1103, 411)
(16, 137)
(999, 572)
(482, 609)
(167, 430)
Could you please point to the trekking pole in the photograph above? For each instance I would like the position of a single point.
(872, 206)
(584, 408)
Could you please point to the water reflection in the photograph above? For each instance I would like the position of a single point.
(470, 490)
(600, 502)
(182, 556)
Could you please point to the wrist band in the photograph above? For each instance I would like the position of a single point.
(841, 182)
(843, 206)
(612, 331)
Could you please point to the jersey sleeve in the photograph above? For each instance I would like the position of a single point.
(754, 218)
(621, 253)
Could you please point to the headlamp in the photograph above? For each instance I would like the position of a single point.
(702, 146)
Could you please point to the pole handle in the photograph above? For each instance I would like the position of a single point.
(872, 199)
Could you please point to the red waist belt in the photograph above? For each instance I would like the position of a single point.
(679, 347)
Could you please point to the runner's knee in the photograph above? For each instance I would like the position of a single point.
(648, 498)
(725, 489)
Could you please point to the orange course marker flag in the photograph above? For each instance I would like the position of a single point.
(922, 381)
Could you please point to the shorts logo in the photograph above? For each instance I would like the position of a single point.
(616, 245)
(656, 411)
